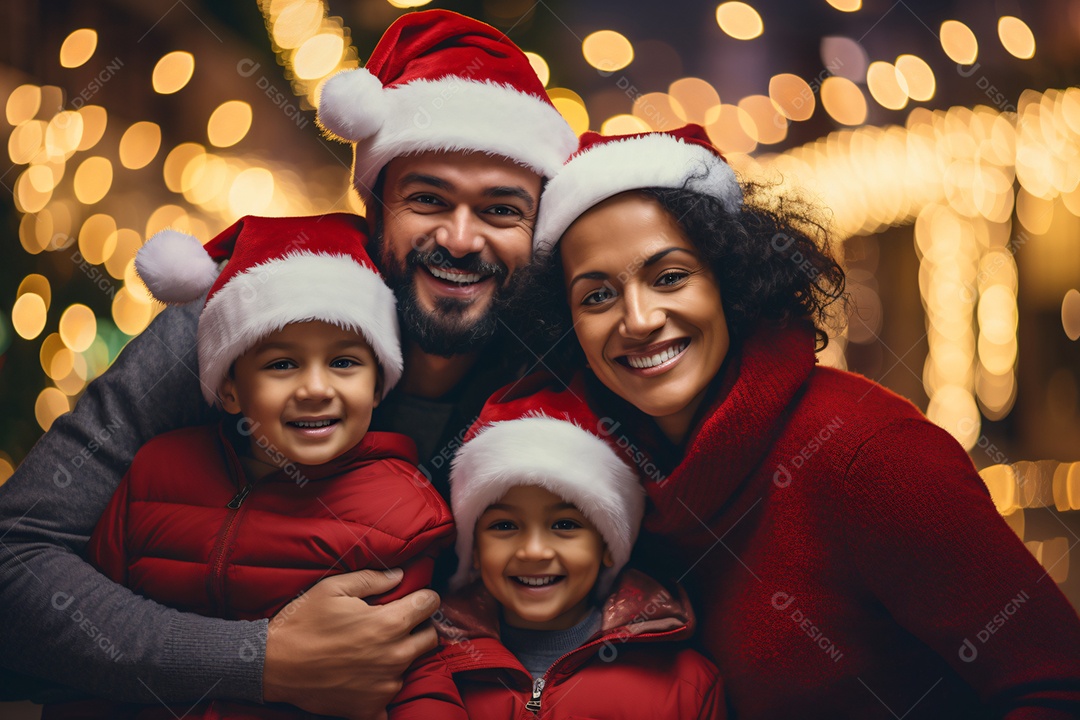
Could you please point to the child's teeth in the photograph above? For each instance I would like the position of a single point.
(654, 360)
(312, 423)
(536, 582)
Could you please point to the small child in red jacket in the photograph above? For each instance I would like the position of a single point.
(299, 341)
(542, 623)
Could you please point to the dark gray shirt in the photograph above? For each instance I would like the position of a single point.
(539, 649)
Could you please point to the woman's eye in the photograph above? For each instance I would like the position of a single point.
(565, 525)
(672, 277)
(598, 296)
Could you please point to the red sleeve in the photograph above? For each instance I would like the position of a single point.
(107, 549)
(428, 691)
(926, 537)
(417, 559)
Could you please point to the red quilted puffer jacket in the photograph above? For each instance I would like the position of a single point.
(187, 529)
(638, 666)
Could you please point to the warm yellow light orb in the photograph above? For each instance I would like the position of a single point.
(139, 145)
(78, 47)
(28, 315)
(540, 67)
(959, 42)
(78, 327)
(172, 72)
(229, 123)
(1016, 37)
(843, 100)
(607, 50)
(739, 20)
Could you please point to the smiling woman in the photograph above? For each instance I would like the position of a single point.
(861, 552)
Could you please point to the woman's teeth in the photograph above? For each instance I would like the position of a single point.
(312, 423)
(642, 363)
(538, 581)
(455, 277)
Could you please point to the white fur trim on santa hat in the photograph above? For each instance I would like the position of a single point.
(297, 287)
(175, 267)
(560, 457)
(608, 169)
(455, 114)
(352, 105)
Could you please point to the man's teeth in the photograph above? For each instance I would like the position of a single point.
(649, 361)
(312, 423)
(461, 278)
(537, 582)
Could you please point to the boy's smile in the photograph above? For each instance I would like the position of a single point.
(539, 557)
(307, 390)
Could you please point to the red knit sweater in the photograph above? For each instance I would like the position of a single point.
(847, 559)
(843, 555)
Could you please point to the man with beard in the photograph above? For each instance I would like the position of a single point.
(453, 136)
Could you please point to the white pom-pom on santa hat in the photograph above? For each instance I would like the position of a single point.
(351, 105)
(175, 267)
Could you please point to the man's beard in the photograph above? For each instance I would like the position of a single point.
(443, 331)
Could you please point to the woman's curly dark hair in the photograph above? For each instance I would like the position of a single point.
(771, 259)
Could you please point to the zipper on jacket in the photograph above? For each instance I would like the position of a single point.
(238, 499)
(538, 688)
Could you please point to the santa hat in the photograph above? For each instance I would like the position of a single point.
(438, 80)
(605, 166)
(279, 271)
(553, 440)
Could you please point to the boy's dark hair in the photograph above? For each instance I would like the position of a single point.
(771, 260)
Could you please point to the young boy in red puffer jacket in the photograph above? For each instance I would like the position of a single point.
(299, 341)
(542, 622)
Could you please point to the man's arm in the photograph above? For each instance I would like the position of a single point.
(65, 620)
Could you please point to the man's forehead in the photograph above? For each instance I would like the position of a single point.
(450, 168)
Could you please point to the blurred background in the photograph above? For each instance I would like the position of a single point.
(942, 137)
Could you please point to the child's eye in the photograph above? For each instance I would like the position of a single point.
(281, 365)
(672, 277)
(565, 524)
(502, 525)
(343, 363)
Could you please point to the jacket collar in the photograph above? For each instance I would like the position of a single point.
(638, 609)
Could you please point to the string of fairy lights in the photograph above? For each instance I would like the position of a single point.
(977, 183)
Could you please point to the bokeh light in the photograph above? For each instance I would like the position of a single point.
(139, 145)
(93, 178)
(318, 56)
(51, 403)
(78, 327)
(540, 67)
(959, 42)
(229, 123)
(172, 72)
(38, 285)
(78, 47)
(28, 315)
(739, 20)
(1016, 37)
(792, 96)
(843, 100)
(607, 50)
(918, 76)
(22, 104)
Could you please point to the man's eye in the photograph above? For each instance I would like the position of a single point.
(505, 211)
(565, 525)
(426, 199)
